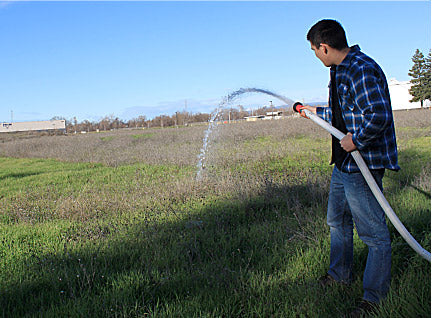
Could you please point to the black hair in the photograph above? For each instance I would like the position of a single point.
(329, 32)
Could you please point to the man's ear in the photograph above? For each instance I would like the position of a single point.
(325, 47)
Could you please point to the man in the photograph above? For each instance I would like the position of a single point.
(360, 107)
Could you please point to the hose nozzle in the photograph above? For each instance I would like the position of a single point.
(297, 106)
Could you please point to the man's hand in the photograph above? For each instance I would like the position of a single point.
(311, 108)
(347, 143)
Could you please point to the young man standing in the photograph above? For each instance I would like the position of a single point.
(360, 106)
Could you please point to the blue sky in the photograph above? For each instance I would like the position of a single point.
(92, 59)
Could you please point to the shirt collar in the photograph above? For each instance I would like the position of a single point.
(347, 60)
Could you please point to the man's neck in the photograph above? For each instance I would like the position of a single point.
(339, 56)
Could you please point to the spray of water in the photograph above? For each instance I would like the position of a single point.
(214, 117)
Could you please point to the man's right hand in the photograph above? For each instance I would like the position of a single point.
(310, 108)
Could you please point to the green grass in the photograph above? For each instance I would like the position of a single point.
(143, 136)
(84, 239)
(107, 138)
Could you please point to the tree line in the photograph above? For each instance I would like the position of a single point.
(177, 119)
(112, 122)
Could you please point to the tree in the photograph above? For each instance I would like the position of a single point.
(105, 123)
(86, 126)
(58, 118)
(75, 123)
(427, 91)
(420, 72)
(141, 120)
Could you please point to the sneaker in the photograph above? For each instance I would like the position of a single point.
(327, 280)
(364, 309)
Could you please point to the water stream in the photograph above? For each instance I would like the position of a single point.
(214, 117)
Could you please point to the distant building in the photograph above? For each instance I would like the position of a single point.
(273, 115)
(33, 126)
(254, 118)
(267, 116)
(400, 96)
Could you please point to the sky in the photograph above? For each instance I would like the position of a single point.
(125, 59)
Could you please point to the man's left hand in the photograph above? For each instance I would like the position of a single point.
(347, 143)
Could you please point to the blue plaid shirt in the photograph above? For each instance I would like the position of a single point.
(364, 99)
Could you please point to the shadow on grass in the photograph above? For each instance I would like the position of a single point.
(219, 260)
(250, 257)
(410, 161)
(406, 195)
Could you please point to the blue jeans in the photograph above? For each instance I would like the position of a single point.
(351, 200)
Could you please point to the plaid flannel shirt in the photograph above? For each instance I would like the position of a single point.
(364, 99)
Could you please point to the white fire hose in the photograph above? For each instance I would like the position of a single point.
(374, 188)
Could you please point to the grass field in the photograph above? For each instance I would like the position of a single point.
(116, 225)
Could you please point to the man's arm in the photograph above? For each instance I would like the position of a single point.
(322, 112)
(375, 108)
(346, 142)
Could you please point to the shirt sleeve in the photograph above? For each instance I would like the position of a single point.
(371, 96)
(324, 113)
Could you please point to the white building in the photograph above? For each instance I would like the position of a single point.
(267, 116)
(33, 126)
(400, 96)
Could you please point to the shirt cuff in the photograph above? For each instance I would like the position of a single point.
(357, 143)
(323, 112)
